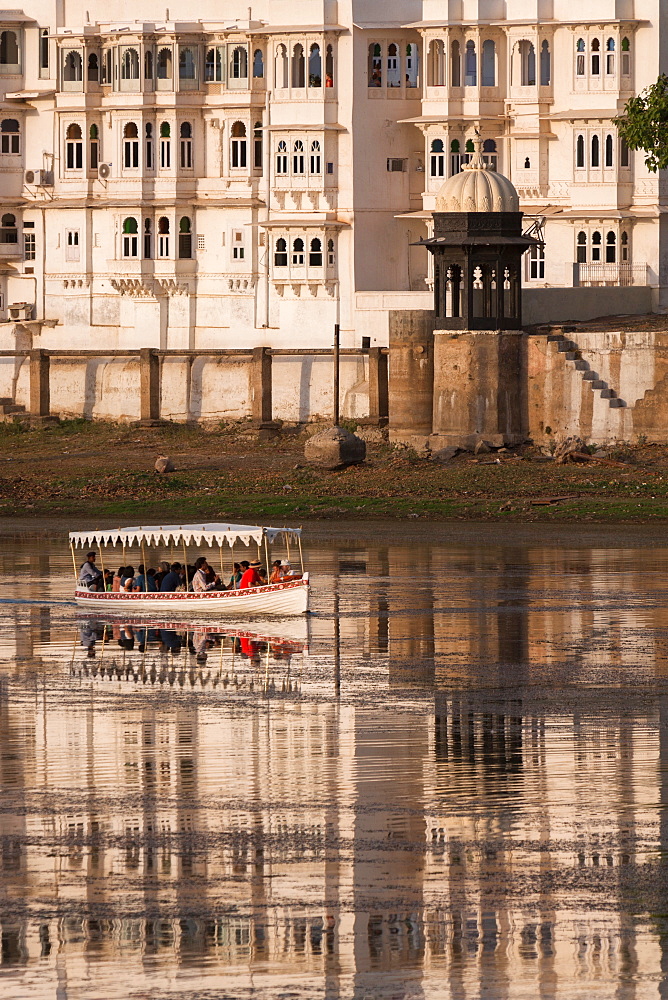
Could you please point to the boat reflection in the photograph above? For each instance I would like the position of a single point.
(180, 653)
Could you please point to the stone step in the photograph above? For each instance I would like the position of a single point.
(616, 403)
(590, 376)
(554, 338)
(566, 345)
(12, 408)
(573, 356)
(608, 394)
(582, 366)
(598, 383)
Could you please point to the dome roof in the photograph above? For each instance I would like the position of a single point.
(476, 188)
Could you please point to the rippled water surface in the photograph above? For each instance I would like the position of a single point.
(452, 782)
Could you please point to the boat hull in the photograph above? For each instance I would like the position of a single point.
(290, 598)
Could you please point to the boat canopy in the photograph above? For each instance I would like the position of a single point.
(191, 534)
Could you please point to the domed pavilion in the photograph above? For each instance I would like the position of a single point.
(477, 246)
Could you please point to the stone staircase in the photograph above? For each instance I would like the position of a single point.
(572, 354)
(9, 410)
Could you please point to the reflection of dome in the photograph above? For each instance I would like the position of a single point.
(477, 189)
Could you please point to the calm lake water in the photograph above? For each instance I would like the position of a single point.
(452, 784)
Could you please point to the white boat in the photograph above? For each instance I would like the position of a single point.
(290, 597)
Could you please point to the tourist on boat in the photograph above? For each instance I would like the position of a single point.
(161, 574)
(89, 575)
(288, 573)
(108, 580)
(128, 581)
(235, 579)
(276, 574)
(201, 577)
(118, 577)
(251, 577)
(171, 581)
(144, 583)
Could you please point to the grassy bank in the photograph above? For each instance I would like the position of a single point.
(96, 472)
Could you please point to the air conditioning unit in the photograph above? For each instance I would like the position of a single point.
(104, 171)
(20, 310)
(38, 178)
(395, 165)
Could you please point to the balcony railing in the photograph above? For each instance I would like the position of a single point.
(589, 275)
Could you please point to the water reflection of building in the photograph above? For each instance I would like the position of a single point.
(456, 836)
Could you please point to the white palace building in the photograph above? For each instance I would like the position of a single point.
(210, 176)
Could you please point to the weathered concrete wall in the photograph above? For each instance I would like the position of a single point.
(561, 305)
(204, 389)
(478, 389)
(411, 375)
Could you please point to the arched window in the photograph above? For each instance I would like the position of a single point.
(298, 66)
(44, 53)
(436, 64)
(73, 147)
(148, 148)
(185, 239)
(94, 147)
(165, 64)
(8, 229)
(455, 157)
(282, 157)
(455, 65)
(10, 137)
(257, 146)
(626, 57)
(314, 67)
(437, 159)
(469, 147)
(329, 67)
(187, 64)
(130, 238)
(281, 253)
(186, 146)
(375, 69)
(165, 146)
(315, 253)
(258, 64)
(581, 249)
(213, 65)
(488, 63)
(624, 155)
(148, 239)
(527, 56)
(330, 253)
(412, 65)
(471, 65)
(298, 251)
(625, 248)
(73, 68)
(580, 57)
(545, 64)
(315, 165)
(148, 65)
(609, 150)
(610, 56)
(393, 65)
(130, 146)
(611, 248)
(163, 236)
(595, 151)
(489, 154)
(9, 53)
(93, 68)
(298, 157)
(130, 65)
(281, 68)
(239, 147)
(596, 244)
(595, 57)
(239, 64)
(580, 151)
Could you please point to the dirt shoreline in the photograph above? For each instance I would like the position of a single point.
(103, 474)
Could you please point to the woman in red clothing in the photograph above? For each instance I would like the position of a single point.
(251, 577)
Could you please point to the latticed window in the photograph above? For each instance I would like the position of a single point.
(73, 147)
(185, 239)
(10, 137)
(130, 238)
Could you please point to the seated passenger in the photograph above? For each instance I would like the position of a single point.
(276, 575)
(116, 583)
(201, 581)
(172, 580)
(89, 575)
(251, 577)
(235, 579)
(128, 580)
(144, 583)
(161, 574)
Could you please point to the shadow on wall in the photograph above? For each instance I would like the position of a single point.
(305, 389)
(90, 382)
